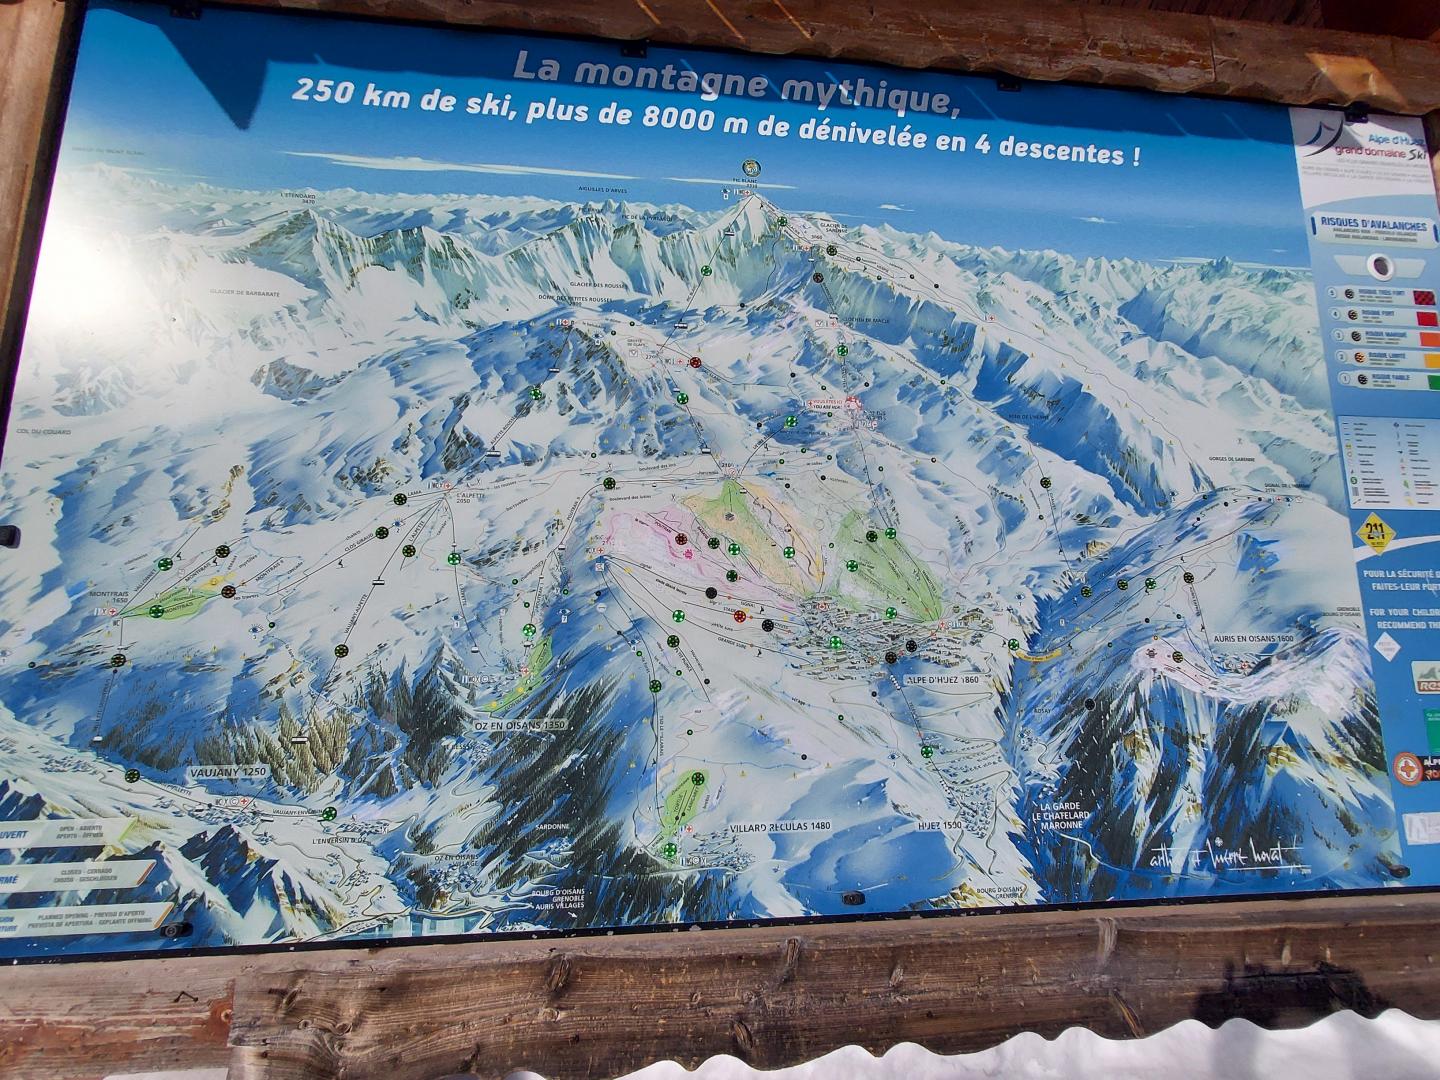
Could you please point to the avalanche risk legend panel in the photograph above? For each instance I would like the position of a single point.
(1376, 271)
(523, 488)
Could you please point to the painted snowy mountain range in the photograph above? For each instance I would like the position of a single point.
(409, 565)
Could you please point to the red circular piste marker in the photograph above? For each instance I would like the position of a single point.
(694, 361)
(1407, 769)
(740, 616)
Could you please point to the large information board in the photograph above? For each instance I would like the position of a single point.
(477, 484)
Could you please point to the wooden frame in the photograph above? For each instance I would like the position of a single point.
(778, 995)
(600, 1006)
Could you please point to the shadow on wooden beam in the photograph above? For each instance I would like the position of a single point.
(601, 1006)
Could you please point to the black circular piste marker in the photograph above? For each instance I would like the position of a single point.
(767, 625)
(711, 593)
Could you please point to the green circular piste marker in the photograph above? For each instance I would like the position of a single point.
(789, 552)
(842, 350)
(1123, 584)
(157, 611)
(713, 543)
(698, 779)
(890, 534)
(732, 575)
(871, 535)
(673, 641)
(706, 270)
(401, 498)
(329, 814)
(891, 612)
(682, 398)
(677, 615)
(608, 483)
(836, 643)
(791, 421)
(536, 393)
(164, 563)
(453, 558)
(132, 775)
(408, 551)
(528, 629)
(342, 651)
(1013, 644)
(734, 548)
(927, 751)
(671, 851)
(381, 532)
(782, 221)
(222, 551)
(654, 686)
(1150, 583)
(852, 565)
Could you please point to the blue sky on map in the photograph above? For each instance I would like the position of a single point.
(1215, 177)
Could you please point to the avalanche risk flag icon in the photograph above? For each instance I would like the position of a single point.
(1376, 533)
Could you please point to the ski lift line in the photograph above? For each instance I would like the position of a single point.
(1055, 526)
(330, 562)
(721, 615)
(734, 215)
(154, 572)
(459, 599)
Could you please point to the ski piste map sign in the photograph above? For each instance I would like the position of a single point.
(482, 484)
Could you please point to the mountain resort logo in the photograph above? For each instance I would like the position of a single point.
(1426, 674)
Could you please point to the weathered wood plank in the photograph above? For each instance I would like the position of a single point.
(32, 40)
(1037, 39)
(86, 1021)
(774, 997)
(1321, 66)
(1432, 137)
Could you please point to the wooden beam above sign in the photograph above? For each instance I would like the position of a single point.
(1033, 39)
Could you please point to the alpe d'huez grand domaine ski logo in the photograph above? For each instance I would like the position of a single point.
(1426, 674)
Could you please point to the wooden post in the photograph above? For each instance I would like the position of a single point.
(1432, 137)
(35, 38)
